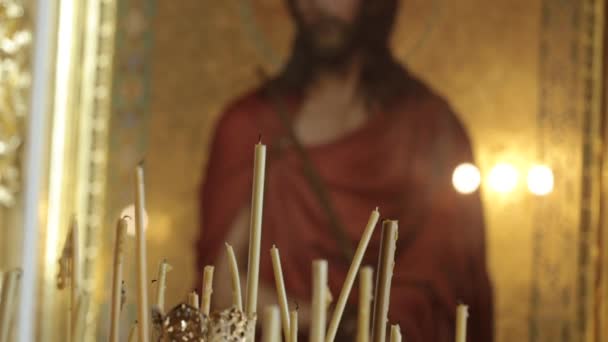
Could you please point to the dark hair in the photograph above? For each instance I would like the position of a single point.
(383, 79)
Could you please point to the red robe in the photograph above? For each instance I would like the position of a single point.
(402, 161)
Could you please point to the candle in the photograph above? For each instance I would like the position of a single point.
(462, 314)
(237, 300)
(193, 299)
(272, 325)
(281, 292)
(365, 301)
(76, 269)
(9, 289)
(121, 229)
(319, 301)
(384, 277)
(207, 289)
(161, 286)
(140, 250)
(255, 231)
(395, 333)
(293, 326)
(82, 307)
(133, 333)
(351, 275)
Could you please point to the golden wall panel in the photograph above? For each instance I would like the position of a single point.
(517, 72)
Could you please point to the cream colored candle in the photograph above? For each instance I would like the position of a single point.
(76, 271)
(255, 231)
(293, 326)
(272, 325)
(9, 291)
(207, 289)
(462, 314)
(82, 307)
(281, 292)
(161, 285)
(383, 280)
(395, 333)
(143, 310)
(133, 333)
(351, 275)
(365, 302)
(237, 298)
(319, 301)
(193, 300)
(121, 229)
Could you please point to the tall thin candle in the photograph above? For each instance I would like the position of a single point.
(82, 307)
(365, 301)
(237, 299)
(207, 289)
(140, 252)
(272, 325)
(462, 314)
(121, 229)
(281, 292)
(193, 300)
(293, 326)
(319, 301)
(133, 333)
(351, 275)
(395, 333)
(255, 230)
(163, 268)
(9, 289)
(76, 272)
(384, 278)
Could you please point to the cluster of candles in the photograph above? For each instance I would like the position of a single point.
(194, 321)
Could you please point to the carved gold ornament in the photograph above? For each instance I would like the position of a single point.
(15, 39)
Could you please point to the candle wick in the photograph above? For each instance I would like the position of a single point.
(260, 138)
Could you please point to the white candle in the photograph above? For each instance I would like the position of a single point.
(237, 299)
(76, 272)
(395, 333)
(193, 299)
(9, 289)
(462, 314)
(384, 279)
(82, 307)
(121, 230)
(140, 252)
(365, 301)
(281, 292)
(207, 290)
(255, 231)
(352, 274)
(319, 301)
(272, 325)
(133, 333)
(293, 326)
(161, 285)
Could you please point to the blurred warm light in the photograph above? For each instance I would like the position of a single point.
(540, 180)
(130, 212)
(466, 178)
(503, 178)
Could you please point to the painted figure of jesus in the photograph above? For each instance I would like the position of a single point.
(349, 129)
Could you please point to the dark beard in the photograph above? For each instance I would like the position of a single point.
(331, 42)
